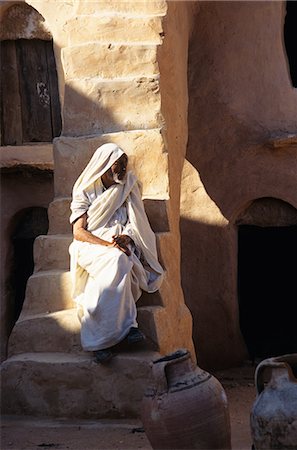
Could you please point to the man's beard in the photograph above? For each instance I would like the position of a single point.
(117, 180)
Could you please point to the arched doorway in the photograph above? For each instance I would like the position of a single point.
(30, 223)
(30, 106)
(267, 278)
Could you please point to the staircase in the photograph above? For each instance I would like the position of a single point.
(111, 94)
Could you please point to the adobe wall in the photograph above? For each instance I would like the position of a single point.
(242, 110)
(173, 62)
(20, 189)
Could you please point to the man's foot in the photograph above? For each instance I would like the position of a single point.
(102, 356)
(135, 335)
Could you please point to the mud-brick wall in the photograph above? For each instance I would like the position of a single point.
(240, 98)
(21, 190)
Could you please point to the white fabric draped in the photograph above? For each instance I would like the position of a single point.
(106, 282)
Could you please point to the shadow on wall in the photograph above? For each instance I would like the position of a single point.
(240, 97)
(209, 271)
(26, 225)
(240, 285)
(22, 190)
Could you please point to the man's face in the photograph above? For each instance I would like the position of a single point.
(118, 169)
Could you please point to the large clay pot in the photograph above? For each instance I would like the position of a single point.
(185, 407)
(274, 413)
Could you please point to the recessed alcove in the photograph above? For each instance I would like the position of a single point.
(290, 39)
(267, 278)
(29, 224)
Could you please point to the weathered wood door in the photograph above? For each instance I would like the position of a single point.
(30, 107)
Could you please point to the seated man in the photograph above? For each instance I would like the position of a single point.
(113, 254)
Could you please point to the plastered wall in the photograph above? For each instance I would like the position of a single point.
(242, 115)
(20, 190)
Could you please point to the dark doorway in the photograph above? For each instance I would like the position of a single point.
(267, 289)
(32, 223)
(290, 38)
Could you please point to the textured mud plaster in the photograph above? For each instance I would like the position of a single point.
(240, 98)
(16, 196)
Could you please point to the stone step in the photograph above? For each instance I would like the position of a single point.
(60, 331)
(73, 386)
(48, 291)
(145, 149)
(131, 8)
(111, 106)
(58, 214)
(110, 61)
(59, 211)
(51, 252)
(115, 29)
(49, 332)
(59, 220)
(37, 155)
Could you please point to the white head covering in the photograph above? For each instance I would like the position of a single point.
(102, 160)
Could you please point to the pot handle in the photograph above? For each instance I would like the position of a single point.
(260, 370)
(159, 367)
(159, 375)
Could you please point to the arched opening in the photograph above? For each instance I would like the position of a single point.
(30, 107)
(30, 223)
(290, 38)
(267, 281)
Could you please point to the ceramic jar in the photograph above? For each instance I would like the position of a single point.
(185, 407)
(274, 413)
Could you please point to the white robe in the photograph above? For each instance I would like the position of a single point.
(106, 282)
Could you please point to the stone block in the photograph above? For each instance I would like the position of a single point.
(157, 214)
(58, 214)
(39, 156)
(48, 291)
(146, 152)
(109, 61)
(142, 7)
(52, 332)
(51, 252)
(73, 386)
(161, 335)
(93, 106)
(114, 29)
(60, 331)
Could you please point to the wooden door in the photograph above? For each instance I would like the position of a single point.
(30, 110)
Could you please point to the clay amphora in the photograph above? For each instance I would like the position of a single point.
(185, 407)
(274, 413)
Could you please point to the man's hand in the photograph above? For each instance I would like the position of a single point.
(121, 241)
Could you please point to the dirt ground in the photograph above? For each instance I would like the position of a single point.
(20, 433)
